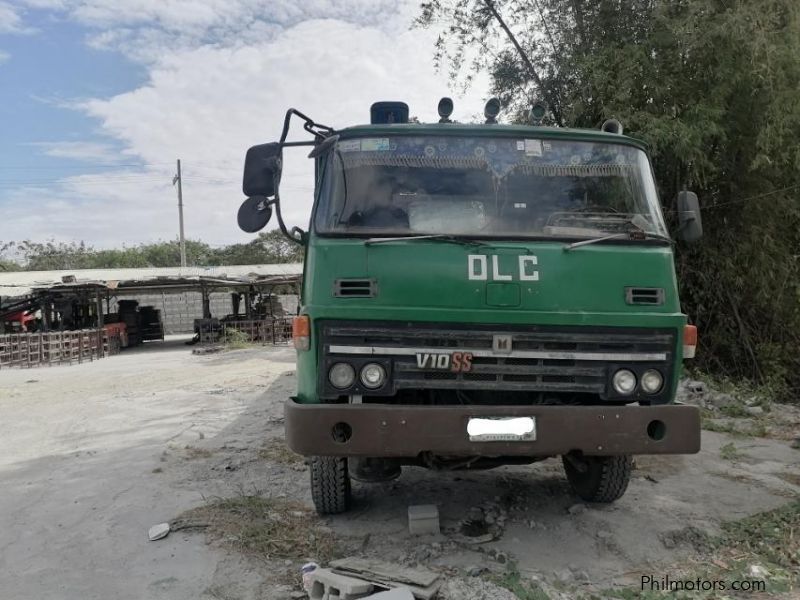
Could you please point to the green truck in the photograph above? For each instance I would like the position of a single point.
(477, 295)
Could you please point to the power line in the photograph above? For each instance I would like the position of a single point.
(739, 200)
(80, 167)
(142, 165)
(756, 197)
(92, 177)
(78, 183)
(130, 177)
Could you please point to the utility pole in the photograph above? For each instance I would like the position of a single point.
(177, 179)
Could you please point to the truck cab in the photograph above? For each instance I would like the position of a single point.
(481, 294)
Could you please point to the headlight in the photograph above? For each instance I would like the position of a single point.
(373, 375)
(341, 375)
(652, 381)
(624, 382)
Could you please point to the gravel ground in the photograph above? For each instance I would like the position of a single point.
(92, 455)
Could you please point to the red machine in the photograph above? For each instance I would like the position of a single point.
(120, 329)
(19, 322)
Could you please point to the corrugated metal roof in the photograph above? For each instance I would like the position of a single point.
(18, 283)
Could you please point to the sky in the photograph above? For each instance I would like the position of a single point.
(98, 98)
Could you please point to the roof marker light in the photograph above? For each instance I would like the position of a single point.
(445, 109)
(388, 113)
(491, 110)
(611, 126)
(538, 111)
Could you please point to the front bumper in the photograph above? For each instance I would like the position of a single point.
(382, 430)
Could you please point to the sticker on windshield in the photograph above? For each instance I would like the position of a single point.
(349, 146)
(533, 147)
(520, 144)
(374, 144)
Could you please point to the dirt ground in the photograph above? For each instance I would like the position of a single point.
(92, 455)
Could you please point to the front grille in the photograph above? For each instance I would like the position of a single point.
(541, 358)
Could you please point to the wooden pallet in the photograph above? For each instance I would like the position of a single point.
(56, 347)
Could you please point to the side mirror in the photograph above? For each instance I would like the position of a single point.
(262, 170)
(254, 214)
(691, 223)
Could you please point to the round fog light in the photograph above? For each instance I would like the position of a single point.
(373, 375)
(652, 381)
(341, 375)
(624, 382)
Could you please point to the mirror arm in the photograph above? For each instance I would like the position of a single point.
(319, 131)
(289, 234)
(299, 234)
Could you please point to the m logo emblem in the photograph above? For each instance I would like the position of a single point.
(501, 344)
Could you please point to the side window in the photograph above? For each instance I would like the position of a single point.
(320, 164)
(330, 193)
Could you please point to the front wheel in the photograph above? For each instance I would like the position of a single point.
(330, 484)
(598, 478)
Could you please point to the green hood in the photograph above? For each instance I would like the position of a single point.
(501, 282)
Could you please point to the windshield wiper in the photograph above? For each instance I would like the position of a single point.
(444, 237)
(634, 234)
(638, 232)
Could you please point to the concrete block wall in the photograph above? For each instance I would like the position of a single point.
(178, 311)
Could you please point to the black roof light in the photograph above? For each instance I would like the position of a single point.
(388, 112)
(491, 110)
(445, 109)
(612, 126)
(538, 111)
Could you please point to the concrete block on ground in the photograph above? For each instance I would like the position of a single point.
(327, 585)
(423, 519)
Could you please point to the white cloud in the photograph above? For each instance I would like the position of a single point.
(208, 102)
(4, 57)
(228, 14)
(11, 20)
(48, 4)
(94, 152)
(145, 29)
(96, 209)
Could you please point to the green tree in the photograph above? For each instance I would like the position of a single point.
(168, 254)
(713, 87)
(268, 248)
(6, 264)
(52, 255)
(9, 265)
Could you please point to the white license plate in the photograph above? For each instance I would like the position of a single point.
(502, 429)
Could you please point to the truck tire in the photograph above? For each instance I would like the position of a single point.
(598, 478)
(330, 484)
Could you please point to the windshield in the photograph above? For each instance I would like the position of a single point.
(487, 187)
